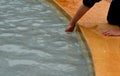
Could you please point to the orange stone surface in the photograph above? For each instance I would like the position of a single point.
(105, 51)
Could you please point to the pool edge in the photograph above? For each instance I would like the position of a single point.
(79, 35)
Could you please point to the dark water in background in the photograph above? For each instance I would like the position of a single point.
(33, 41)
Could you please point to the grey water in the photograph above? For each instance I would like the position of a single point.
(33, 41)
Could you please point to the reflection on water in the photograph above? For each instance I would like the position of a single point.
(33, 41)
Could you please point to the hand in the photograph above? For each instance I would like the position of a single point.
(70, 28)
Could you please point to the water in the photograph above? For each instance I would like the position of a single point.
(33, 41)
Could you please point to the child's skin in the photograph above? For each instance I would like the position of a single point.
(81, 11)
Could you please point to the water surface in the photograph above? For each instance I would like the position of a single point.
(33, 41)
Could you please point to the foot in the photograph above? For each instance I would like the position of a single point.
(115, 32)
(69, 28)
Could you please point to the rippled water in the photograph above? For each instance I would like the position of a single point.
(33, 41)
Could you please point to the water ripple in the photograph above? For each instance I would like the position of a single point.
(21, 50)
(33, 41)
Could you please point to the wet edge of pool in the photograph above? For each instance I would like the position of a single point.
(86, 52)
(80, 38)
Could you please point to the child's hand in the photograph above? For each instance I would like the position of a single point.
(70, 28)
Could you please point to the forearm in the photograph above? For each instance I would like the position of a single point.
(81, 11)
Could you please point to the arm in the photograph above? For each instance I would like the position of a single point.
(87, 4)
(81, 11)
